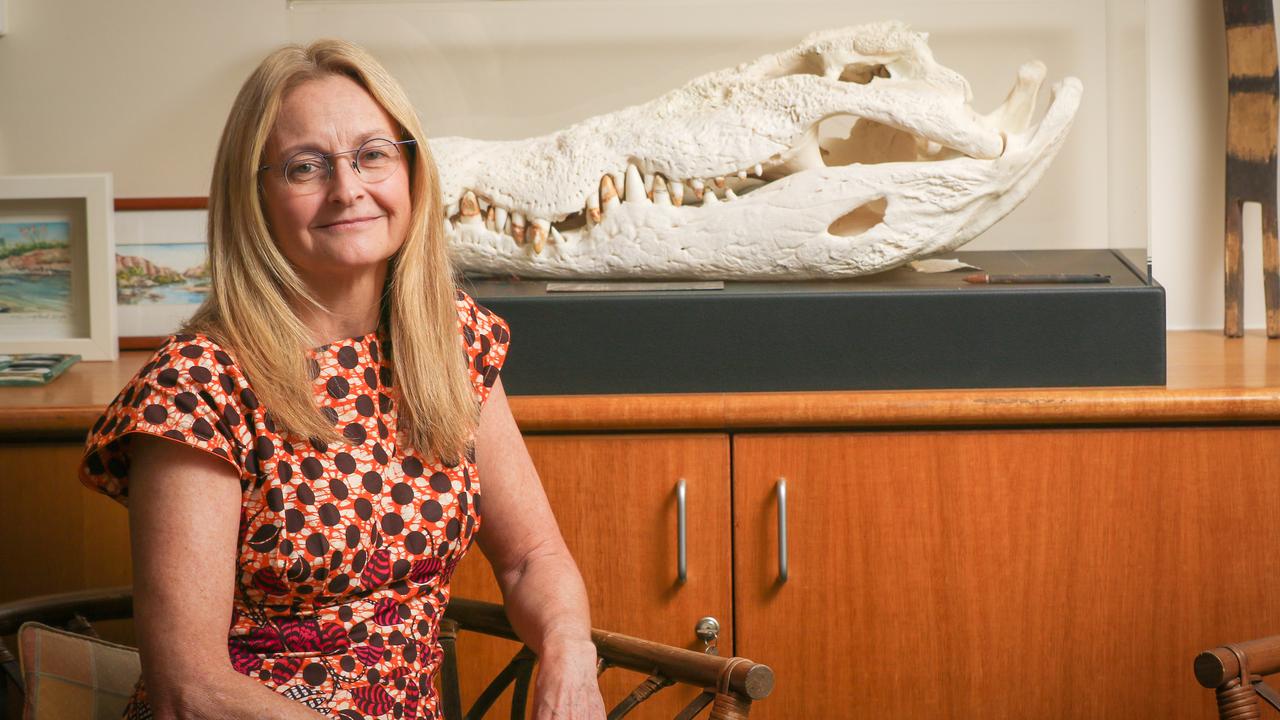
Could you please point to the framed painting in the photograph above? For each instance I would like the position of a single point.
(162, 270)
(57, 279)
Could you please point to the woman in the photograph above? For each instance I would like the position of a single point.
(306, 463)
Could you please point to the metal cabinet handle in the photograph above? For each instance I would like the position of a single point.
(782, 530)
(682, 533)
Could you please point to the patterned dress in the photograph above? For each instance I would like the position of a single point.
(346, 548)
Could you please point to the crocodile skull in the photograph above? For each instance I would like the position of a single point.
(733, 176)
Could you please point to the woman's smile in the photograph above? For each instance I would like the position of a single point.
(350, 224)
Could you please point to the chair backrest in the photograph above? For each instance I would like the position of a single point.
(729, 685)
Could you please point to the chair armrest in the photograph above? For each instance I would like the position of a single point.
(745, 678)
(57, 609)
(1219, 665)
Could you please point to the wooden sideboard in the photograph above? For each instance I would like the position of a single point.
(1055, 553)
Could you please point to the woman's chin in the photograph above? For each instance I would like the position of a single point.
(326, 274)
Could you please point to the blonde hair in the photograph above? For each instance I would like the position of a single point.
(254, 288)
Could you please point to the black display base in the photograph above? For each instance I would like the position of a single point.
(896, 330)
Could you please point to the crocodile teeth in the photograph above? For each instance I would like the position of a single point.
(593, 208)
(634, 191)
(619, 183)
(500, 220)
(490, 218)
(698, 187)
(661, 196)
(608, 193)
(539, 231)
(556, 237)
(517, 227)
(470, 209)
(677, 193)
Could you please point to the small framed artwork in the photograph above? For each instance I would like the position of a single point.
(57, 279)
(162, 271)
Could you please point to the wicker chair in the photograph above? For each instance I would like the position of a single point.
(1235, 673)
(730, 684)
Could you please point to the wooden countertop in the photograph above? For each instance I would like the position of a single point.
(1210, 379)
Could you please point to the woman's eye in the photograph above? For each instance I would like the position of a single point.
(303, 170)
(373, 155)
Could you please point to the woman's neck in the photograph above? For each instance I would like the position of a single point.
(350, 306)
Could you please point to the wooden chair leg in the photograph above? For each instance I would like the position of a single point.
(450, 693)
(696, 705)
(730, 707)
(520, 693)
(1271, 267)
(1237, 702)
(643, 691)
(1233, 280)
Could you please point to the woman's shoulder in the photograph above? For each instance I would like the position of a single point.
(486, 338)
(187, 369)
(189, 391)
(480, 320)
(193, 360)
(191, 349)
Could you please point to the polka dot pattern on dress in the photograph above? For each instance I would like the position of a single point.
(347, 546)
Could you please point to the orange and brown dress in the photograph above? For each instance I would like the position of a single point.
(346, 548)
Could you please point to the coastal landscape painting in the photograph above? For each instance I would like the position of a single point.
(35, 269)
(162, 271)
(57, 288)
(167, 273)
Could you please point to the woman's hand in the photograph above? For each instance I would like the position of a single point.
(567, 687)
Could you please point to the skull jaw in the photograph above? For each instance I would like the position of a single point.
(783, 230)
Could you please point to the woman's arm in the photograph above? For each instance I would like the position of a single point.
(184, 516)
(546, 601)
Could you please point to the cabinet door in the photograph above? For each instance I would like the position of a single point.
(60, 536)
(615, 500)
(1004, 574)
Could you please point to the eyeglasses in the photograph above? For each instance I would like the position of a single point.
(309, 171)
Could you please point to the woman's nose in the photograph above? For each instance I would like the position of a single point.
(345, 183)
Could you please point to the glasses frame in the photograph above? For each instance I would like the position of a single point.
(329, 164)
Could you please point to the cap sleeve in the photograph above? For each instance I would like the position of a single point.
(486, 337)
(185, 394)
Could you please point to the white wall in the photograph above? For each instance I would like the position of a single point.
(1188, 95)
(140, 88)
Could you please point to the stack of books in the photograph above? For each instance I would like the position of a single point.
(33, 369)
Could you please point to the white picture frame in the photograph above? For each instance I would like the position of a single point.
(57, 266)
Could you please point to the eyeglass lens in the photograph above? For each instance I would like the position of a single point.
(374, 161)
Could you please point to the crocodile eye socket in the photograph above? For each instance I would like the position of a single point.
(863, 73)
